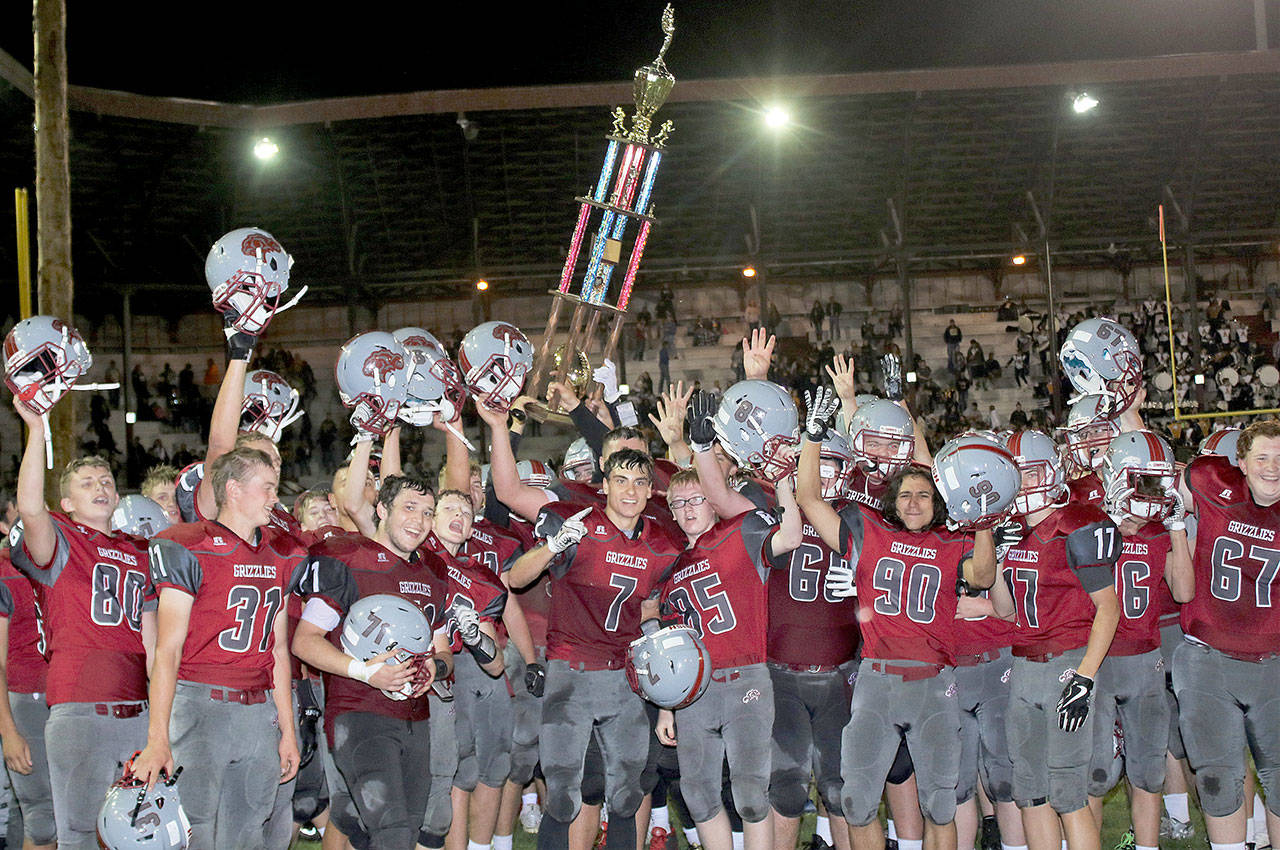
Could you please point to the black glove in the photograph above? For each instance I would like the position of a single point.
(535, 678)
(1073, 707)
(1006, 536)
(310, 719)
(240, 345)
(701, 414)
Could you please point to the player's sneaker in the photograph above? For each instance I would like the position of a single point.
(1127, 841)
(658, 838)
(308, 832)
(1178, 830)
(531, 817)
(990, 833)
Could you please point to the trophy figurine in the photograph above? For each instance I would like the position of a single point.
(622, 195)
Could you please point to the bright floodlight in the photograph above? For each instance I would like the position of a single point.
(776, 116)
(1019, 260)
(1084, 102)
(482, 285)
(265, 149)
(749, 271)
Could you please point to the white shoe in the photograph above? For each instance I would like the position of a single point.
(531, 818)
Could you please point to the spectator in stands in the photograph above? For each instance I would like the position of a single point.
(816, 315)
(669, 329)
(639, 338)
(895, 322)
(666, 303)
(1018, 418)
(773, 320)
(664, 364)
(212, 374)
(113, 377)
(327, 438)
(834, 309)
(993, 419)
(976, 361)
(962, 389)
(1007, 312)
(952, 337)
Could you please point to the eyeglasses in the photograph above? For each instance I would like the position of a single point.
(694, 501)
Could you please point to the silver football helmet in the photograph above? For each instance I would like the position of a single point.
(495, 357)
(248, 273)
(1101, 356)
(757, 424)
(978, 480)
(139, 516)
(535, 473)
(836, 465)
(435, 384)
(1139, 476)
(1090, 428)
(44, 357)
(134, 817)
(579, 461)
(881, 437)
(270, 405)
(670, 667)
(373, 378)
(1222, 442)
(1036, 453)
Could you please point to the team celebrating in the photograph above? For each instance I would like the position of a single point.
(792, 604)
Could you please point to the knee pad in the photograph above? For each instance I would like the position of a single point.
(755, 809)
(939, 806)
(1066, 792)
(41, 830)
(787, 794)
(1221, 790)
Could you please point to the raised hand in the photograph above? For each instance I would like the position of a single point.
(841, 372)
(821, 406)
(606, 375)
(570, 533)
(757, 354)
(702, 429)
(670, 417)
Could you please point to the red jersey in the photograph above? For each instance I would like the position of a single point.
(26, 665)
(1235, 561)
(1087, 489)
(1070, 554)
(906, 584)
(719, 588)
(471, 583)
(981, 634)
(866, 490)
(597, 585)
(492, 545)
(92, 594)
(584, 493)
(346, 568)
(1139, 575)
(798, 599)
(238, 590)
(293, 605)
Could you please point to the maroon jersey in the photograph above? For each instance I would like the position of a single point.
(981, 634)
(1070, 554)
(346, 568)
(584, 493)
(92, 594)
(26, 665)
(866, 490)
(1087, 489)
(798, 599)
(906, 584)
(719, 588)
(1139, 575)
(238, 589)
(597, 585)
(471, 583)
(1235, 561)
(293, 605)
(492, 545)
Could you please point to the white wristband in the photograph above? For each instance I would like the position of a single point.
(361, 671)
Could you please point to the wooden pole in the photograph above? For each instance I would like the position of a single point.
(53, 203)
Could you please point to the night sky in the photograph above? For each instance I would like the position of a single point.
(271, 52)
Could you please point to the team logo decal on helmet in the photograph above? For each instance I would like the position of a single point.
(248, 273)
(382, 622)
(495, 357)
(270, 404)
(1100, 356)
(1139, 476)
(669, 667)
(978, 480)
(757, 424)
(373, 379)
(44, 357)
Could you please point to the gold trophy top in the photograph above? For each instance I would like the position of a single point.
(652, 83)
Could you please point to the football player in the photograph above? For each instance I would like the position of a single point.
(719, 587)
(98, 603)
(221, 686)
(376, 709)
(604, 562)
(159, 486)
(1226, 673)
(1058, 582)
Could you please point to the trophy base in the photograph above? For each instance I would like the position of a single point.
(540, 412)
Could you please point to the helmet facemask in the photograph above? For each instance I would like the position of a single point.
(888, 458)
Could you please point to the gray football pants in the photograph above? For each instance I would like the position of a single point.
(32, 792)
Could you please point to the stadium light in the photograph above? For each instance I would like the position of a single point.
(130, 418)
(1199, 380)
(911, 377)
(1019, 260)
(265, 149)
(776, 117)
(1084, 102)
(482, 285)
(749, 271)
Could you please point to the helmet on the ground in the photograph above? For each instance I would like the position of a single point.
(139, 516)
(495, 357)
(1101, 356)
(435, 384)
(836, 465)
(978, 480)
(1035, 452)
(1222, 442)
(579, 461)
(248, 273)
(43, 359)
(882, 437)
(757, 424)
(270, 404)
(373, 378)
(134, 817)
(1090, 428)
(669, 667)
(1139, 476)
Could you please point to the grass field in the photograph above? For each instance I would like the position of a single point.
(1115, 820)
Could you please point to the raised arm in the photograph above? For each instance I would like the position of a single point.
(669, 421)
(725, 501)
(224, 424)
(39, 535)
(457, 460)
(979, 569)
(790, 533)
(390, 462)
(841, 374)
(507, 486)
(757, 354)
(817, 510)
(351, 496)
